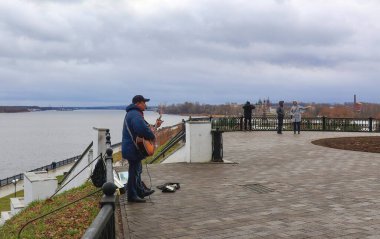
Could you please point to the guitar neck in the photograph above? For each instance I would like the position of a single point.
(154, 127)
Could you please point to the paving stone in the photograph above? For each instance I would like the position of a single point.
(318, 192)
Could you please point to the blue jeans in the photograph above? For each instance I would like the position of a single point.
(296, 127)
(247, 123)
(134, 185)
(280, 124)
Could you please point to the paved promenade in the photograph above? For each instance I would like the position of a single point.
(281, 187)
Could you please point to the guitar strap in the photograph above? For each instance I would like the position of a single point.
(129, 131)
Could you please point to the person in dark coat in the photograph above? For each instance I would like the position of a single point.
(280, 116)
(135, 125)
(248, 115)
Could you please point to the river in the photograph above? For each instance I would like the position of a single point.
(34, 139)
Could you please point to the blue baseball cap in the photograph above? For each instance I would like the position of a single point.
(139, 98)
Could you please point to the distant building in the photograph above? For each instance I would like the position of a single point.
(264, 108)
(357, 105)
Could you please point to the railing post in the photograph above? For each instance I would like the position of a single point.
(324, 123)
(370, 124)
(104, 224)
(241, 123)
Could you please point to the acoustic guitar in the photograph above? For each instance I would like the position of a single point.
(147, 147)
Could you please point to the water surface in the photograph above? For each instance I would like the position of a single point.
(34, 139)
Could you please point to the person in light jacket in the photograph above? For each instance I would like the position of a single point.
(295, 113)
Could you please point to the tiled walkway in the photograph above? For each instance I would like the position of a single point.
(310, 192)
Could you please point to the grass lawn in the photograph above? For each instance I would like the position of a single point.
(5, 201)
(70, 222)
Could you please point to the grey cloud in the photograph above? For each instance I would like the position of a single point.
(215, 51)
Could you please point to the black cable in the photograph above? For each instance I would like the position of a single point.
(22, 228)
(74, 177)
(150, 179)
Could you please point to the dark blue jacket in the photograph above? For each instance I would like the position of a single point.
(134, 118)
(248, 110)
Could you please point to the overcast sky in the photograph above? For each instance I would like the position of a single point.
(97, 52)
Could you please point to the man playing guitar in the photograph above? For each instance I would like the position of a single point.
(135, 127)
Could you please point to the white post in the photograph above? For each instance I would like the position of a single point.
(198, 142)
(90, 157)
(99, 141)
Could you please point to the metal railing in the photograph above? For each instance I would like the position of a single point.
(103, 225)
(227, 123)
(165, 134)
(307, 124)
(67, 174)
(53, 165)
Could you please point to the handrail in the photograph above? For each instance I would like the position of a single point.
(98, 227)
(103, 225)
(179, 134)
(177, 138)
(78, 161)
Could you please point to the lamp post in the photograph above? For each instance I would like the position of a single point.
(14, 181)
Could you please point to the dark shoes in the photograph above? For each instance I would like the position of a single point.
(148, 192)
(136, 199)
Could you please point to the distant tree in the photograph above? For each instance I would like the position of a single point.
(234, 109)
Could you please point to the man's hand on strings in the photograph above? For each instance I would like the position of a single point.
(158, 123)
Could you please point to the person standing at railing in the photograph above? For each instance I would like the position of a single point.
(135, 126)
(280, 116)
(295, 114)
(248, 107)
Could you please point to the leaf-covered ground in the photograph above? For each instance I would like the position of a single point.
(70, 222)
(364, 144)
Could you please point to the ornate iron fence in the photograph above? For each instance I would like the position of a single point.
(307, 124)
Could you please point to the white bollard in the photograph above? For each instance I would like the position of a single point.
(198, 142)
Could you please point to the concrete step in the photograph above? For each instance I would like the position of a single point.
(17, 204)
(5, 215)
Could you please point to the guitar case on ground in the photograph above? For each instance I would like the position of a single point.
(169, 187)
